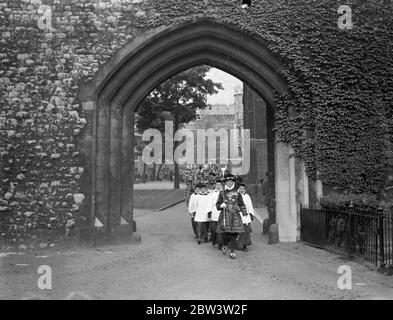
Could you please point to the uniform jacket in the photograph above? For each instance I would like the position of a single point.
(230, 217)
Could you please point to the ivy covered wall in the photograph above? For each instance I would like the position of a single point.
(337, 115)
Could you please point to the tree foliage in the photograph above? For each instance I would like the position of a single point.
(177, 99)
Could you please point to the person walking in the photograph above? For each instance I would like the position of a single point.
(202, 211)
(192, 209)
(210, 185)
(245, 237)
(230, 223)
(214, 236)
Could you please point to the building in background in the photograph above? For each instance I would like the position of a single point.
(216, 117)
(221, 116)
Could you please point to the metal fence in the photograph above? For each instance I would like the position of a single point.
(367, 234)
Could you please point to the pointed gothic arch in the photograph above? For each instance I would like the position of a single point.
(111, 98)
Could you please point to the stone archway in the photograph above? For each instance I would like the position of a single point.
(155, 55)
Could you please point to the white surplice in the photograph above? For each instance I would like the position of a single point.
(192, 204)
(202, 207)
(213, 198)
(249, 208)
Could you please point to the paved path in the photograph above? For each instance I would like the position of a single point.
(168, 264)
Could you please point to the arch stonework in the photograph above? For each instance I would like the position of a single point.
(113, 96)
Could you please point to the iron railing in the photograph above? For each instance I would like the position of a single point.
(366, 234)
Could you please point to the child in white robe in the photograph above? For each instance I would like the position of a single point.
(192, 209)
(215, 215)
(202, 210)
(245, 238)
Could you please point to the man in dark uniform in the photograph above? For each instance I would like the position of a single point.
(231, 204)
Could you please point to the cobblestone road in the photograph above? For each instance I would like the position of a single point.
(168, 264)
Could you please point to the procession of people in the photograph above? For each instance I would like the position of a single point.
(221, 211)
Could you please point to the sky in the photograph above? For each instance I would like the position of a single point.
(224, 96)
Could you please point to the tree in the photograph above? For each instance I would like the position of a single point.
(177, 99)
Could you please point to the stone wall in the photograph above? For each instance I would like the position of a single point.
(42, 63)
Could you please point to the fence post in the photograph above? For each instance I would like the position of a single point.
(381, 237)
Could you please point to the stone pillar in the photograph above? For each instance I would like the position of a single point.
(285, 193)
(127, 182)
(115, 170)
(318, 188)
(102, 165)
(293, 195)
(87, 147)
